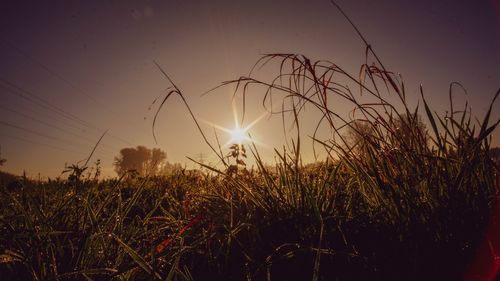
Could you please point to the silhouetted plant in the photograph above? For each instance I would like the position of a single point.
(238, 153)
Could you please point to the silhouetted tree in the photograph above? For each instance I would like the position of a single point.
(358, 135)
(170, 168)
(404, 132)
(141, 159)
(157, 161)
(409, 132)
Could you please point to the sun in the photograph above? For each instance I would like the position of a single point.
(239, 135)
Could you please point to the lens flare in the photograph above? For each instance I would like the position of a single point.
(239, 136)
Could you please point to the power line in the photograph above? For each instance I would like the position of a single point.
(51, 125)
(43, 135)
(62, 121)
(40, 143)
(201, 157)
(18, 90)
(44, 123)
(61, 78)
(45, 105)
(35, 132)
(52, 72)
(50, 146)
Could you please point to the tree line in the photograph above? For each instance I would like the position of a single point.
(143, 161)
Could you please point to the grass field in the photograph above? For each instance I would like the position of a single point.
(394, 202)
(294, 223)
(401, 196)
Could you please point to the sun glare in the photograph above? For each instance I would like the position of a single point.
(239, 136)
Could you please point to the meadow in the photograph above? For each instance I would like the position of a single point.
(403, 194)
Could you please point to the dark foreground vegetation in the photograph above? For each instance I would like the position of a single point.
(399, 197)
(348, 220)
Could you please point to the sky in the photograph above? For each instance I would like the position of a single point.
(70, 70)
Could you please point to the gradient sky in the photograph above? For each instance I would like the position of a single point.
(71, 69)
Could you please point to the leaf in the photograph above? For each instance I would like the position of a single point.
(486, 120)
(431, 119)
(92, 271)
(136, 257)
(175, 266)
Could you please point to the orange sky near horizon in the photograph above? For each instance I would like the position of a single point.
(70, 71)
